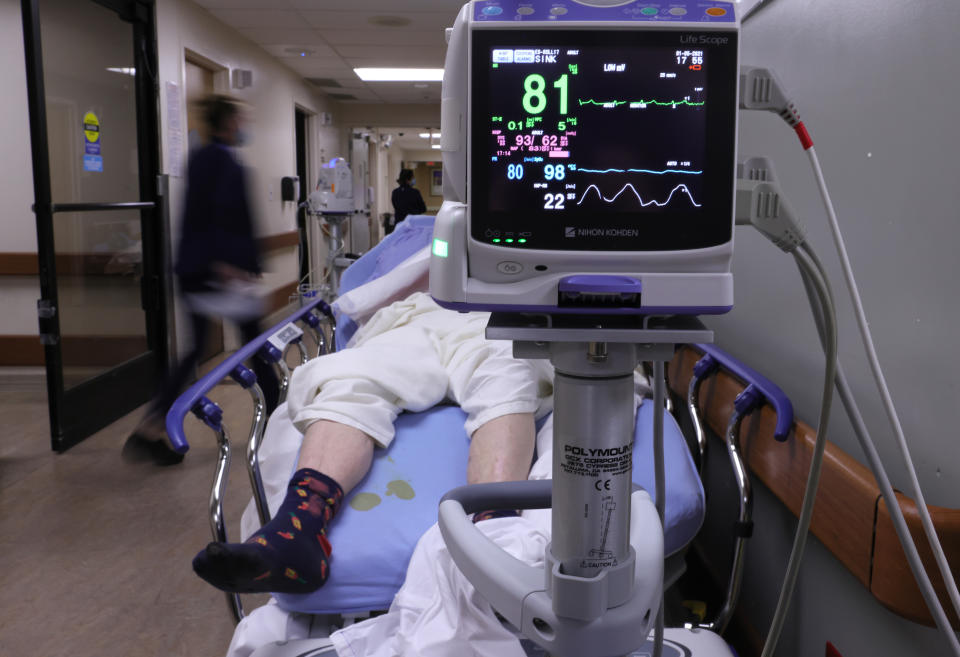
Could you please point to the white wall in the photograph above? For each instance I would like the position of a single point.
(876, 85)
(18, 230)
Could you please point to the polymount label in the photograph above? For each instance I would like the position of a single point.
(597, 462)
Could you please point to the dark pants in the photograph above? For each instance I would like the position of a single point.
(176, 380)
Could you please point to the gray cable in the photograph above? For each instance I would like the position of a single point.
(659, 385)
(874, 361)
(806, 261)
(886, 489)
(753, 10)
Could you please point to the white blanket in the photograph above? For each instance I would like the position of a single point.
(411, 275)
(437, 611)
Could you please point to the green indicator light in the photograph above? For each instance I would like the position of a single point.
(522, 241)
(496, 66)
(509, 240)
(439, 248)
(496, 240)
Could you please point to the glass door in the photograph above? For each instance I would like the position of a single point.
(92, 93)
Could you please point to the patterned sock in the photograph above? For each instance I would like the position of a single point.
(290, 554)
(480, 516)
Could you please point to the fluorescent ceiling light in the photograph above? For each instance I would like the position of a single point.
(126, 70)
(427, 135)
(399, 74)
(437, 146)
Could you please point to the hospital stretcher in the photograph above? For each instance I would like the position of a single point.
(388, 511)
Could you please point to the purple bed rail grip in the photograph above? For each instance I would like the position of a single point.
(244, 376)
(185, 402)
(761, 385)
(704, 367)
(312, 320)
(599, 284)
(749, 399)
(209, 413)
(269, 353)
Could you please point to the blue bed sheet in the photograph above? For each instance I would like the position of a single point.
(373, 544)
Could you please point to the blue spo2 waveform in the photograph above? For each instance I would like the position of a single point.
(596, 131)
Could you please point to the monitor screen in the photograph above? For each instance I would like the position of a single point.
(613, 140)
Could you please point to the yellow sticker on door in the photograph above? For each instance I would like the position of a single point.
(92, 159)
(91, 127)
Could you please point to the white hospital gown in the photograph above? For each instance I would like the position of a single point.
(412, 355)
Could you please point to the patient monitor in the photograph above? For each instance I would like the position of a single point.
(588, 157)
(589, 174)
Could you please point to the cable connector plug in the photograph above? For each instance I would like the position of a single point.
(760, 204)
(760, 89)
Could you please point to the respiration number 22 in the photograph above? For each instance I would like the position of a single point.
(535, 98)
(553, 201)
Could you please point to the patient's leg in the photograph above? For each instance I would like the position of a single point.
(290, 553)
(501, 450)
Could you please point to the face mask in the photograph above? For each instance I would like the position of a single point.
(413, 181)
(242, 138)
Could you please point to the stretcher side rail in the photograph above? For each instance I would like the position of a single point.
(194, 401)
(758, 392)
(189, 399)
(850, 517)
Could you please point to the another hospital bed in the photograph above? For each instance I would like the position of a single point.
(385, 515)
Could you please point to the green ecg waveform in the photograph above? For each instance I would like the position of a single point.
(660, 103)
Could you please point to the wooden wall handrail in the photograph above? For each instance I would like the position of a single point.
(28, 263)
(849, 517)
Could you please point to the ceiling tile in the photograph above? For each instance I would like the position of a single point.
(259, 17)
(292, 51)
(393, 55)
(358, 20)
(408, 95)
(309, 67)
(279, 35)
(244, 4)
(382, 6)
(351, 82)
(358, 94)
(383, 37)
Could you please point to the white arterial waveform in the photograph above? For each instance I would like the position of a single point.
(679, 188)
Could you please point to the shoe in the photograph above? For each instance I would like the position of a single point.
(148, 443)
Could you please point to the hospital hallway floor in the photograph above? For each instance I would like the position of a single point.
(95, 553)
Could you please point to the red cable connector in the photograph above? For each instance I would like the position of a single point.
(804, 136)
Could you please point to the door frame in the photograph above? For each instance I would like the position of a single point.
(93, 404)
